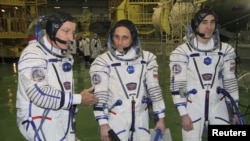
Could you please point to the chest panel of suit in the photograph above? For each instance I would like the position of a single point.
(129, 75)
(59, 74)
(206, 64)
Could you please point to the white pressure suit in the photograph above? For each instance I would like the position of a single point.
(130, 78)
(196, 73)
(95, 47)
(45, 102)
(85, 46)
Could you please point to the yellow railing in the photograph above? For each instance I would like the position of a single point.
(12, 2)
(141, 18)
(12, 28)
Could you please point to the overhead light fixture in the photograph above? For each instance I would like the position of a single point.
(85, 7)
(2, 10)
(57, 7)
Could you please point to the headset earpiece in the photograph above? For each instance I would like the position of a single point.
(194, 24)
(53, 23)
(52, 26)
(132, 28)
(199, 16)
(134, 32)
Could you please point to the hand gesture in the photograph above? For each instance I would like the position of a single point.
(88, 98)
(104, 132)
(186, 123)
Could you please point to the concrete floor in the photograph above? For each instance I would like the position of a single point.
(87, 129)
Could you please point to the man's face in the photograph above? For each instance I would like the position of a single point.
(207, 26)
(122, 38)
(66, 33)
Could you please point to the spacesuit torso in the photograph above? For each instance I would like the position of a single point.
(95, 47)
(198, 74)
(129, 82)
(44, 96)
(86, 46)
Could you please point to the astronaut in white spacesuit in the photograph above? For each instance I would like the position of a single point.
(198, 67)
(95, 46)
(46, 102)
(84, 44)
(126, 79)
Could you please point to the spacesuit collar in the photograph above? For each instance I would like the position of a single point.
(130, 54)
(52, 50)
(50, 47)
(212, 44)
(204, 47)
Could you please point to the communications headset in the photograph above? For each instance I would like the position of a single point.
(134, 33)
(53, 24)
(195, 22)
(199, 16)
(132, 28)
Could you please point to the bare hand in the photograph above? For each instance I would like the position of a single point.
(235, 120)
(104, 132)
(88, 98)
(186, 123)
(160, 124)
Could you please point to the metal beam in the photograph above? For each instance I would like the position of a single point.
(78, 3)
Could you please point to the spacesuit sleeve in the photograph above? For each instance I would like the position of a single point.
(178, 79)
(229, 79)
(99, 78)
(32, 71)
(153, 86)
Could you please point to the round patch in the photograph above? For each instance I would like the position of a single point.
(176, 69)
(96, 79)
(38, 75)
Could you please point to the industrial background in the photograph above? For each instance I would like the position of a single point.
(163, 20)
(162, 25)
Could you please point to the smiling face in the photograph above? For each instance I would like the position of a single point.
(207, 27)
(65, 33)
(122, 38)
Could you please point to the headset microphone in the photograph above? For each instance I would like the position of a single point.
(202, 35)
(61, 41)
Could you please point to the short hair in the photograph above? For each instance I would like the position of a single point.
(128, 24)
(199, 16)
(55, 21)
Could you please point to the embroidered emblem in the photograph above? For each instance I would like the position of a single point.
(207, 61)
(176, 69)
(38, 75)
(96, 79)
(207, 76)
(67, 85)
(130, 69)
(131, 86)
(232, 66)
(155, 73)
